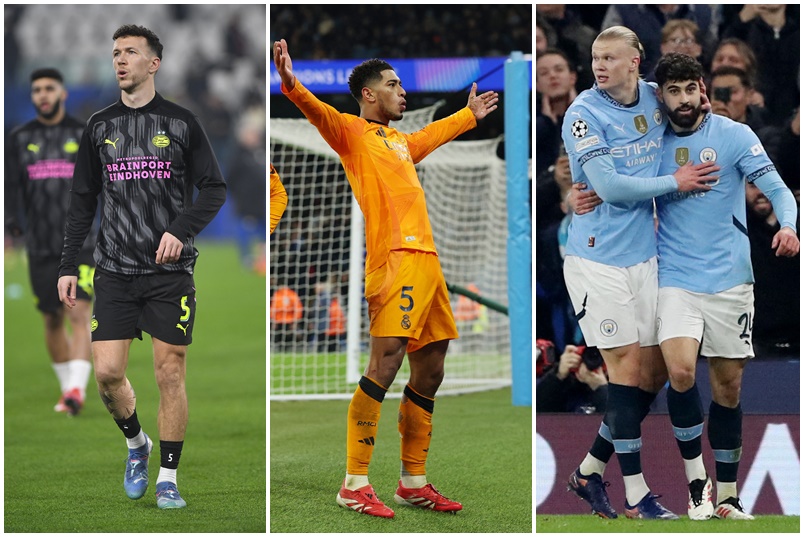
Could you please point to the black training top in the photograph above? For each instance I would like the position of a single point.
(39, 167)
(144, 162)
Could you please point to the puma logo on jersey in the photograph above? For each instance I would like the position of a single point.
(33, 148)
(183, 328)
(111, 143)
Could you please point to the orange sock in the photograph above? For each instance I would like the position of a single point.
(415, 429)
(361, 425)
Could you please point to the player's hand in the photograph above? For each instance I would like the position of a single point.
(169, 250)
(706, 106)
(562, 174)
(786, 243)
(67, 287)
(483, 104)
(283, 63)
(696, 176)
(569, 360)
(582, 201)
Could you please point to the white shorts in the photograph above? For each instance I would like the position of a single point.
(721, 322)
(614, 306)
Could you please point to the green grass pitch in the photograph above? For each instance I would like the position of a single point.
(480, 455)
(593, 524)
(66, 474)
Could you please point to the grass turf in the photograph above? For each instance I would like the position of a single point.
(65, 474)
(593, 524)
(480, 455)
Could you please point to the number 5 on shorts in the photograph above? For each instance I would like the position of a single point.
(186, 309)
(406, 296)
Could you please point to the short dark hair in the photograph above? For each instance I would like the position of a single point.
(727, 70)
(677, 67)
(551, 51)
(46, 72)
(131, 30)
(366, 73)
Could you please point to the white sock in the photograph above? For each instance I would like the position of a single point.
(137, 441)
(694, 468)
(62, 370)
(635, 488)
(726, 491)
(592, 465)
(79, 375)
(354, 482)
(166, 474)
(413, 481)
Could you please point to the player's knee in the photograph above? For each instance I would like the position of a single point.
(170, 372)
(726, 392)
(682, 376)
(54, 320)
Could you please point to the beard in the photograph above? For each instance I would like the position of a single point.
(391, 114)
(53, 112)
(683, 118)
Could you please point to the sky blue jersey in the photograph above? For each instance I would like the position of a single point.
(616, 150)
(703, 240)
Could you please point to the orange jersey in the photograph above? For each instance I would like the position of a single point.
(379, 163)
(279, 198)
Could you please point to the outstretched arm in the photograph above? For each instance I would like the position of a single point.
(483, 104)
(283, 63)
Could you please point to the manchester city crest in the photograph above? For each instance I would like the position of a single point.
(657, 116)
(708, 155)
(608, 327)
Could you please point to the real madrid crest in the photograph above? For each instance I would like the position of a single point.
(641, 124)
(682, 155)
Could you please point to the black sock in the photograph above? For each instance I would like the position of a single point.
(726, 439)
(623, 414)
(130, 426)
(686, 415)
(171, 453)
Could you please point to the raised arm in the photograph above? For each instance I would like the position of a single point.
(483, 104)
(283, 63)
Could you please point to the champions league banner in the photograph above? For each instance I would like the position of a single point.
(432, 75)
(768, 481)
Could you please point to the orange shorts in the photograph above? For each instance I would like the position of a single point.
(408, 297)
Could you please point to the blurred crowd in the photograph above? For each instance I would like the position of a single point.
(309, 250)
(751, 54)
(214, 64)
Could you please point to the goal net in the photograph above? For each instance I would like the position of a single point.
(319, 319)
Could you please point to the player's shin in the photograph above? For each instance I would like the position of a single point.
(686, 416)
(361, 429)
(725, 437)
(624, 421)
(415, 431)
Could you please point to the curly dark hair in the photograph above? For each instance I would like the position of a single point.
(677, 67)
(366, 73)
(132, 30)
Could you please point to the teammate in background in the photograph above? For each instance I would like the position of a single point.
(40, 156)
(612, 134)
(279, 199)
(708, 229)
(409, 305)
(142, 155)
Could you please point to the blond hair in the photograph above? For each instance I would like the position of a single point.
(624, 34)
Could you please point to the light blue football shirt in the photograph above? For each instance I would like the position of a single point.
(616, 149)
(703, 240)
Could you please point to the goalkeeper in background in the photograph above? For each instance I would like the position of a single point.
(409, 307)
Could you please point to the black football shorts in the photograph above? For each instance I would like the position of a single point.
(163, 305)
(44, 274)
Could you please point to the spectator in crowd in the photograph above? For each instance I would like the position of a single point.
(681, 35)
(734, 52)
(774, 36)
(783, 146)
(328, 318)
(569, 385)
(573, 37)
(777, 309)
(545, 36)
(731, 91)
(287, 312)
(647, 21)
(555, 91)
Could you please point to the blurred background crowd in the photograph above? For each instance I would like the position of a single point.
(751, 57)
(213, 63)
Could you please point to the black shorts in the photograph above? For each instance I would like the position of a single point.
(162, 305)
(44, 274)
